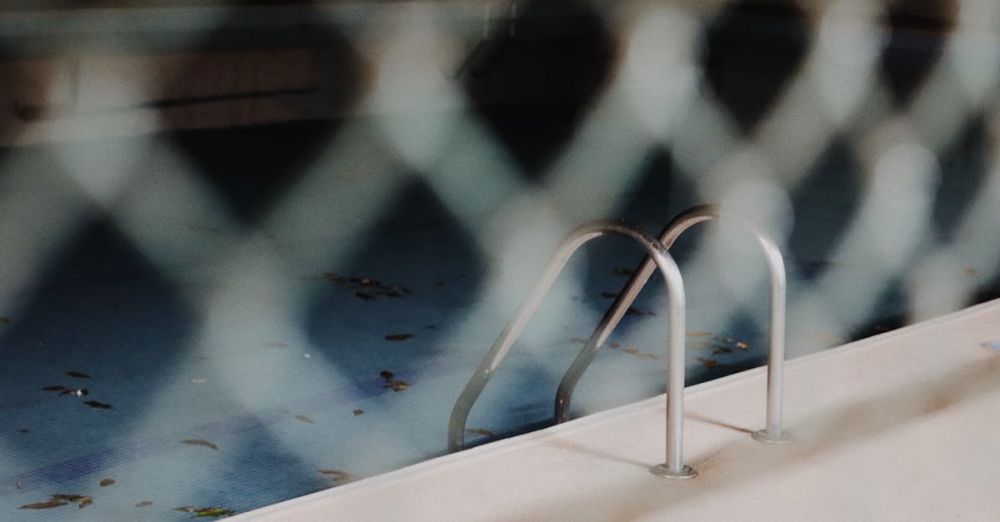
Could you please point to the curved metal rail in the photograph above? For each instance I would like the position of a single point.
(658, 257)
(773, 432)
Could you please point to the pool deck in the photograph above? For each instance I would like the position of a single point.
(900, 426)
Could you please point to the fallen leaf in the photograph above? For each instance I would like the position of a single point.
(45, 505)
(69, 497)
(86, 502)
(698, 333)
(364, 295)
(99, 405)
(78, 375)
(144, 503)
(722, 350)
(200, 442)
(336, 474)
(609, 295)
(623, 272)
(303, 418)
(398, 337)
(107, 482)
(186, 509)
(480, 431)
(386, 374)
(358, 412)
(708, 363)
(742, 345)
(213, 512)
(54, 388)
(396, 386)
(77, 392)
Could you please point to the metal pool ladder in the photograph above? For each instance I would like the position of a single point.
(773, 432)
(657, 257)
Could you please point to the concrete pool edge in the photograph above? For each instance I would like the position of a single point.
(556, 436)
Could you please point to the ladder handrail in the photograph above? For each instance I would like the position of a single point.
(773, 431)
(658, 257)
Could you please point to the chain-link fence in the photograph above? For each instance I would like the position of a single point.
(275, 241)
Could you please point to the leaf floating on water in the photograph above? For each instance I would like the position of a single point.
(144, 503)
(364, 295)
(337, 475)
(213, 512)
(54, 388)
(398, 337)
(623, 272)
(396, 386)
(76, 392)
(4, 320)
(78, 375)
(721, 350)
(386, 374)
(107, 482)
(86, 502)
(200, 442)
(186, 509)
(54, 503)
(303, 418)
(23, 430)
(609, 295)
(708, 363)
(359, 412)
(99, 405)
(742, 345)
(480, 431)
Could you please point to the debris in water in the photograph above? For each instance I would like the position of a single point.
(337, 475)
(213, 512)
(364, 295)
(45, 505)
(742, 345)
(396, 386)
(698, 333)
(721, 350)
(708, 363)
(78, 375)
(23, 430)
(616, 345)
(480, 431)
(722, 338)
(638, 312)
(99, 405)
(200, 442)
(144, 503)
(623, 272)
(76, 392)
(609, 295)
(386, 374)
(358, 412)
(398, 337)
(303, 418)
(430, 327)
(54, 388)
(107, 482)
(4, 320)
(206, 511)
(60, 500)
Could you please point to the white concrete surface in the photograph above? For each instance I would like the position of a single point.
(901, 426)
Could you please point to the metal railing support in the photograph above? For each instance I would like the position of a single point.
(658, 258)
(773, 432)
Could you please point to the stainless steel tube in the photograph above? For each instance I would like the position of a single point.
(658, 257)
(776, 266)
